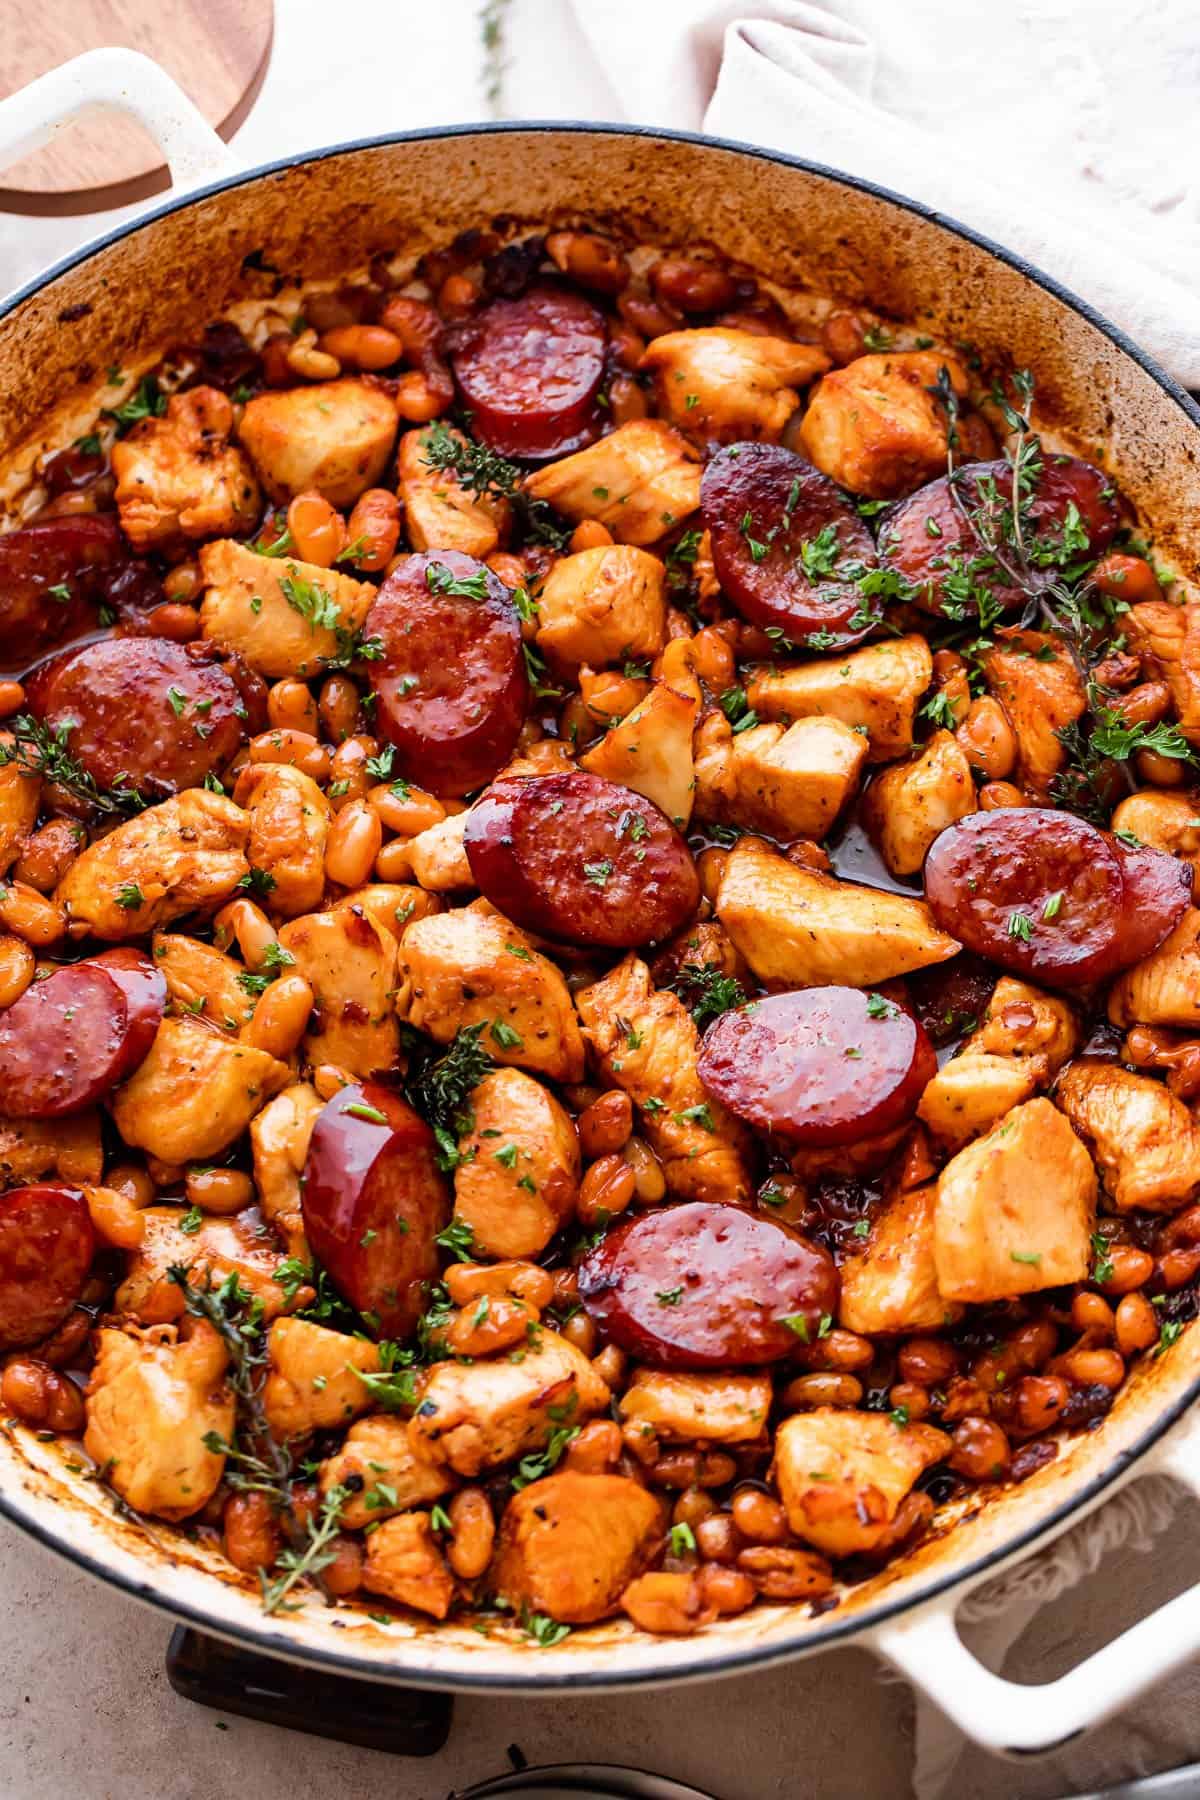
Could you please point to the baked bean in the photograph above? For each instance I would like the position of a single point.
(179, 623)
(291, 707)
(605, 1125)
(594, 262)
(647, 316)
(30, 915)
(1129, 1269)
(342, 1574)
(844, 336)
(606, 1189)
(628, 345)
(1146, 704)
(677, 1468)
(1093, 1368)
(338, 707)
(1034, 1344)
(39, 1396)
(908, 1398)
(116, 1220)
(1184, 1228)
(349, 778)
(219, 1190)
(596, 1449)
(927, 1361)
(318, 530)
(329, 1079)
(987, 739)
(807, 855)
(979, 1450)
(1090, 1312)
(251, 1532)
(242, 921)
(780, 1574)
(710, 866)
(164, 1174)
(362, 346)
(66, 1342)
(394, 862)
(182, 583)
(457, 297)
(759, 1517)
(649, 1182)
(133, 1182)
(639, 1439)
(691, 285)
(299, 748)
(1038, 1401)
(429, 389)
(48, 853)
(467, 1281)
(12, 698)
(821, 1390)
(280, 1017)
(996, 794)
(844, 1350)
(310, 364)
(1177, 1267)
(373, 530)
(492, 1323)
(1128, 578)
(1137, 1325)
(718, 1538)
(17, 965)
(626, 400)
(354, 841)
(405, 810)
(668, 1602)
(610, 695)
(729, 1591)
(590, 534)
(580, 1331)
(609, 1365)
(474, 1532)
(692, 1507)
(566, 1288)
(1159, 771)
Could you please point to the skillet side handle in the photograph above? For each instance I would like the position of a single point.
(122, 81)
(1010, 1718)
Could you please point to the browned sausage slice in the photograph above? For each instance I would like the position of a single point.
(142, 712)
(530, 370)
(452, 685)
(66, 1042)
(145, 991)
(1158, 891)
(788, 548)
(49, 582)
(577, 858)
(707, 1287)
(46, 1248)
(373, 1204)
(827, 1065)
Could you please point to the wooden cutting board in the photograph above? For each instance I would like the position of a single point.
(217, 50)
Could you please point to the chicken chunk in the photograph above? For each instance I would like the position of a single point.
(439, 858)
(807, 930)
(377, 1450)
(179, 476)
(457, 969)
(842, 1475)
(153, 1403)
(650, 751)
(241, 1246)
(711, 1409)
(279, 1137)
(1145, 1141)
(907, 806)
(176, 858)
(201, 981)
(475, 1416)
(570, 1544)
(284, 618)
(404, 1563)
(891, 1283)
(972, 1092)
(877, 687)
(646, 1044)
(439, 512)
(20, 796)
(1169, 638)
(350, 965)
(518, 1174)
(195, 1092)
(334, 439)
(1041, 690)
(1015, 1210)
(313, 1378)
(32, 1149)
(876, 427)
(1164, 819)
(790, 783)
(1163, 989)
(289, 823)
(640, 480)
(1023, 1022)
(722, 385)
(704, 945)
(603, 606)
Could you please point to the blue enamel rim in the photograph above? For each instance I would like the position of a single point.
(530, 1674)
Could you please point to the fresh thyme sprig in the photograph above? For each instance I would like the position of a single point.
(41, 750)
(439, 1086)
(306, 1561)
(707, 992)
(485, 473)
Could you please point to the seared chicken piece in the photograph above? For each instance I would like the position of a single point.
(807, 930)
(1164, 989)
(640, 480)
(282, 616)
(876, 427)
(891, 1283)
(790, 783)
(724, 385)
(241, 1246)
(441, 514)
(1015, 1210)
(458, 969)
(32, 1149)
(684, 1409)
(877, 687)
(646, 1043)
(180, 477)
(650, 751)
(313, 1381)
(518, 1175)
(1040, 689)
(334, 439)
(439, 861)
(570, 1544)
(377, 1450)
(195, 1092)
(152, 1401)
(705, 945)
(289, 823)
(1021, 1021)
(201, 981)
(907, 806)
(476, 1415)
(1144, 1140)
(602, 606)
(971, 1092)
(20, 794)
(1169, 636)
(350, 965)
(1164, 819)
(404, 1563)
(279, 1137)
(172, 859)
(842, 1475)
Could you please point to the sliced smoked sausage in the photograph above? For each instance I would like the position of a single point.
(706, 1286)
(826, 1065)
(579, 859)
(1158, 891)
(451, 683)
(373, 1203)
(66, 1042)
(145, 989)
(530, 369)
(46, 1248)
(788, 548)
(49, 582)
